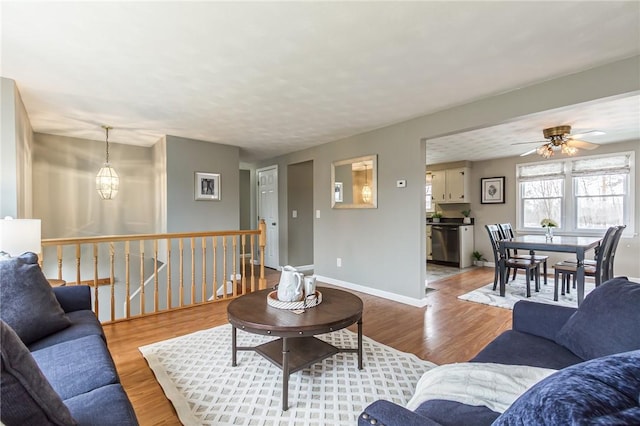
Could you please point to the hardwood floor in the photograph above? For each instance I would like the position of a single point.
(447, 330)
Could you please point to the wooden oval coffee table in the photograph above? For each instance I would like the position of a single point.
(297, 347)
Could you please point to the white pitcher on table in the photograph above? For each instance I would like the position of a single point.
(290, 288)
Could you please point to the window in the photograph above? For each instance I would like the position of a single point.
(582, 195)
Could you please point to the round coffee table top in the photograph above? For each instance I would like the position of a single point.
(251, 312)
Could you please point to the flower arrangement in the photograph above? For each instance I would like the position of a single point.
(548, 223)
(436, 215)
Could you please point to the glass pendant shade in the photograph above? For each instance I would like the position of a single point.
(107, 182)
(366, 193)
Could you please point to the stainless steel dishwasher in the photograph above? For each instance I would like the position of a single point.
(445, 244)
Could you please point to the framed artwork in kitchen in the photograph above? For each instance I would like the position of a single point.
(492, 190)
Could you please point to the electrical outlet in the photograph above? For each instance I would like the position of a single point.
(339, 262)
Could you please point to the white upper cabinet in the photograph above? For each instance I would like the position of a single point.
(450, 186)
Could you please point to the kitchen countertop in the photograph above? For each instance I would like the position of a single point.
(449, 223)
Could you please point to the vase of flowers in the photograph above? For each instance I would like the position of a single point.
(548, 225)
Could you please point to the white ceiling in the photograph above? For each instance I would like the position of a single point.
(277, 77)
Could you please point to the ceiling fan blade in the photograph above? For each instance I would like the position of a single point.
(528, 152)
(582, 144)
(530, 142)
(590, 133)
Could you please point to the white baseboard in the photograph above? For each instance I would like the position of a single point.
(419, 303)
(304, 267)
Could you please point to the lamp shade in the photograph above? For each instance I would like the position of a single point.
(107, 182)
(18, 236)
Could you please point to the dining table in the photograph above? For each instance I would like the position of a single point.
(558, 243)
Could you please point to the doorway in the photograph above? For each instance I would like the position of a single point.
(268, 210)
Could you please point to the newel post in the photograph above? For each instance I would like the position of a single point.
(262, 242)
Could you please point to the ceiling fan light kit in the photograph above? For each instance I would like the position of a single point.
(560, 139)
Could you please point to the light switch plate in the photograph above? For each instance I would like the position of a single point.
(402, 183)
(317, 214)
(294, 214)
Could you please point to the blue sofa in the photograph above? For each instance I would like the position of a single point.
(56, 366)
(595, 348)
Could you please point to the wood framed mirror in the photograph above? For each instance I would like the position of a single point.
(354, 183)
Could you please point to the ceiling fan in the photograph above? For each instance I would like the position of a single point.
(559, 138)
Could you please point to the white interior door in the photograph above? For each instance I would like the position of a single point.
(268, 210)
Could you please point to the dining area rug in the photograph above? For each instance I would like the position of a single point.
(196, 375)
(517, 290)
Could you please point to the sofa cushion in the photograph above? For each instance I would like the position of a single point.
(83, 323)
(27, 398)
(105, 406)
(603, 324)
(29, 306)
(77, 366)
(517, 348)
(451, 413)
(587, 393)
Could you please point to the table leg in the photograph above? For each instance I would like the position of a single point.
(233, 346)
(360, 344)
(580, 275)
(502, 262)
(285, 375)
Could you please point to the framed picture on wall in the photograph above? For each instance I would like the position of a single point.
(492, 190)
(207, 186)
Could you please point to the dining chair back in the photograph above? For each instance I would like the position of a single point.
(530, 266)
(507, 232)
(602, 270)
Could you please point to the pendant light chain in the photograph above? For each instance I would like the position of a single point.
(107, 156)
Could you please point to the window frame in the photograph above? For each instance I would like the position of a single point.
(569, 219)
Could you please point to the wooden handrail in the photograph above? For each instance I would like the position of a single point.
(123, 295)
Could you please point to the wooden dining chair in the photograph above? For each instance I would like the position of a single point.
(602, 270)
(531, 267)
(507, 232)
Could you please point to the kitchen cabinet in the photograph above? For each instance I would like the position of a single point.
(451, 185)
(466, 246)
(429, 249)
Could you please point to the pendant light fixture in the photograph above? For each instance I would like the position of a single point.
(366, 189)
(107, 180)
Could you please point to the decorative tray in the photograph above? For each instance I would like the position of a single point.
(307, 302)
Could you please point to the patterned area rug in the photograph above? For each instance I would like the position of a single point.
(517, 290)
(196, 375)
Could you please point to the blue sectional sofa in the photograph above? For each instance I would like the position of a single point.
(56, 367)
(595, 348)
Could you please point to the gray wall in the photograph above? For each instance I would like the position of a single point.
(184, 158)
(245, 199)
(15, 154)
(628, 248)
(64, 188)
(369, 241)
(300, 198)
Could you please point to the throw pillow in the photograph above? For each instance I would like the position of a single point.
(592, 392)
(27, 398)
(604, 322)
(28, 304)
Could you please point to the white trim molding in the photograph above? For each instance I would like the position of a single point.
(418, 303)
